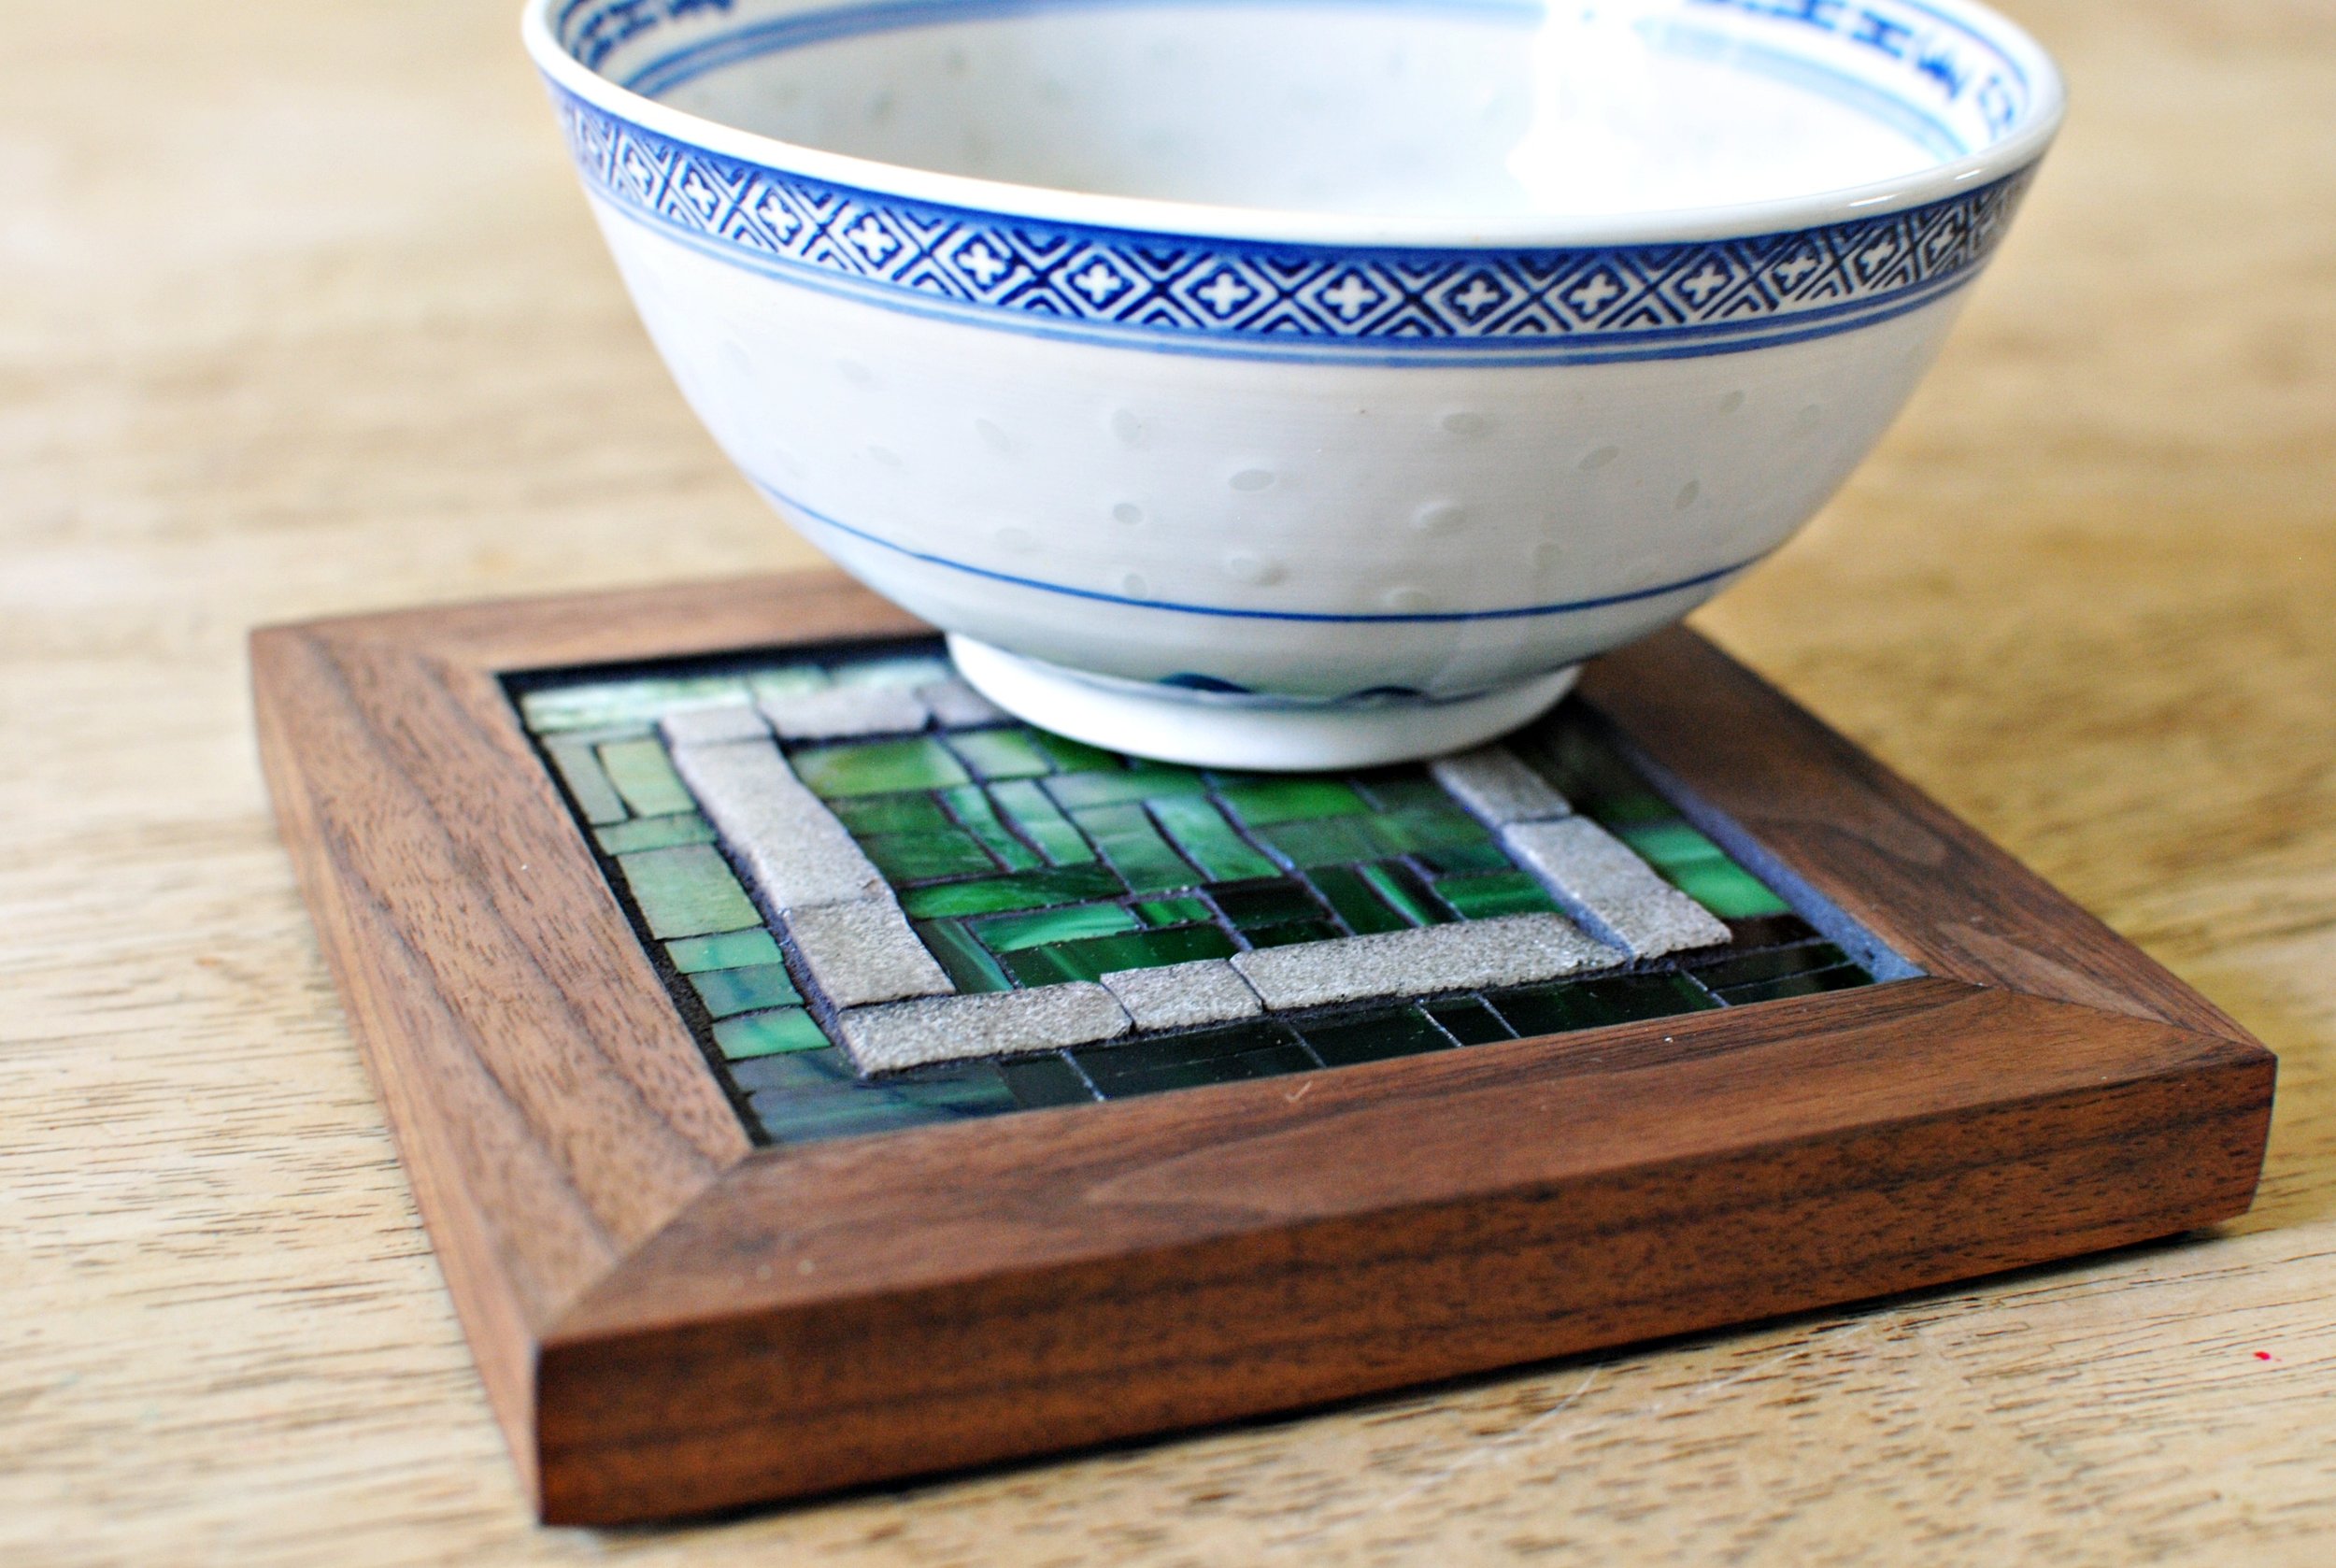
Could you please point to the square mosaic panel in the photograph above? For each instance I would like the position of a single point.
(879, 902)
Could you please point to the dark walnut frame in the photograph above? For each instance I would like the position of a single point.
(670, 1320)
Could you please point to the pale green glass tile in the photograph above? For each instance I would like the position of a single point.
(686, 890)
(789, 1029)
(1001, 753)
(1126, 839)
(731, 949)
(1042, 823)
(578, 764)
(971, 807)
(795, 681)
(875, 767)
(725, 991)
(910, 670)
(646, 780)
(655, 833)
(1144, 781)
(621, 701)
(1208, 841)
(1073, 756)
(1005, 934)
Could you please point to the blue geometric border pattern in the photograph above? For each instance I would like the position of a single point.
(1714, 295)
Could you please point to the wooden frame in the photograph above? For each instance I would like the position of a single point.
(670, 1320)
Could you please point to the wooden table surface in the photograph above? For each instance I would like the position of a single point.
(303, 314)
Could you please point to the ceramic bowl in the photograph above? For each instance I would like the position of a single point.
(1289, 383)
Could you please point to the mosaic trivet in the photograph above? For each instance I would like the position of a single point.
(810, 1075)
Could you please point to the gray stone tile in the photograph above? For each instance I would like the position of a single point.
(993, 1023)
(953, 704)
(1495, 783)
(1178, 995)
(714, 726)
(792, 847)
(1513, 950)
(1620, 894)
(841, 712)
(865, 953)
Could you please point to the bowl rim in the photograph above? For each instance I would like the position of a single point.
(1153, 215)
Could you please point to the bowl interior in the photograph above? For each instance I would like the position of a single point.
(1379, 107)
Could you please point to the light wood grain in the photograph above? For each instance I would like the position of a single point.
(304, 316)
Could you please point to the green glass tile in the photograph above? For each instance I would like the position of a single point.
(1328, 841)
(1174, 911)
(1726, 889)
(1126, 837)
(1402, 889)
(725, 991)
(971, 807)
(1248, 1051)
(1593, 1003)
(1001, 753)
(1822, 980)
(1374, 1036)
(799, 1075)
(655, 833)
(875, 768)
(1739, 969)
(825, 1118)
(924, 856)
(686, 890)
(1290, 936)
(578, 766)
(1768, 931)
(795, 680)
(1467, 859)
(1583, 769)
(913, 812)
(1669, 842)
(969, 965)
(1467, 1020)
(1140, 781)
(1396, 788)
(646, 780)
(1024, 889)
(1291, 798)
(1426, 829)
(789, 1029)
(619, 701)
(1005, 934)
(1102, 955)
(960, 1088)
(1042, 823)
(1073, 756)
(1039, 1082)
(1497, 893)
(1356, 902)
(1208, 841)
(1256, 904)
(916, 669)
(733, 949)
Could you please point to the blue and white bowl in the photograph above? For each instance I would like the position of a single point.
(1292, 383)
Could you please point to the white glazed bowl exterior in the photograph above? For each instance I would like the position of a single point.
(1316, 514)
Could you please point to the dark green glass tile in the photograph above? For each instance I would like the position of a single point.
(810, 1075)
(1256, 904)
(1396, 788)
(1039, 1081)
(642, 774)
(1098, 956)
(790, 1120)
(1248, 1051)
(655, 833)
(1174, 911)
(1073, 756)
(1814, 984)
(1355, 901)
(1467, 860)
(1005, 934)
(1208, 841)
(1501, 892)
(960, 1088)
(1140, 781)
(1328, 841)
(1769, 930)
(1404, 888)
(923, 857)
(1739, 969)
(1024, 889)
(725, 991)
(578, 766)
(776, 1033)
(1669, 842)
(1290, 936)
(1042, 823)
(731, 949)
(1467, 1020)
(875, 767)
(1374, 1036)
(686, 890)
(1001, 753)
(915, 811)
(1425, 829)
(1726, 889)
(968, 963)
(972, 807)
(1126, 837)
(1291, 798)
(1570, 1005)
(1583, 769)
